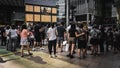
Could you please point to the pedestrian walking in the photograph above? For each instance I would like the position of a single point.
(24, 40)
(71, 39)
(51, 33)
(60, 36)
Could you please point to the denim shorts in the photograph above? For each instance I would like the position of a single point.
(24, 41)
(60, 40)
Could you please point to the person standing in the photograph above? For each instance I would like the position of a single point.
(102, 39)
(51, 33)
(8, 37)
(109, 38)
(3, 36)
(60, 36)
(13, 38)
(82, 41)
(37, 35)
(24, 40)
(94, 39)
(71, 39)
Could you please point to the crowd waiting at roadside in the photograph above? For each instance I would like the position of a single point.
(78, 37)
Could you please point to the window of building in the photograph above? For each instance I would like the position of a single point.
(36, 17)
(29, 17)
(36, 8)
(29, 8)
(45, 18)
(54, 18)
(54, 10)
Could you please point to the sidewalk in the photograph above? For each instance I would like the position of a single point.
(40, 59)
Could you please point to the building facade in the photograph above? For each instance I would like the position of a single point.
(92, 10)
(40, 11)
(61, 10)
(84, 10)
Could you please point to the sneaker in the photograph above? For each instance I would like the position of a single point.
(42, 48)
(54, 55)
(71, 56)
(22, 55)
(30, 54)
(68, 55)
(33, 49)
(79, 57)
(50, 56)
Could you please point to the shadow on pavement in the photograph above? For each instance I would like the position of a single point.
(76, 61)
(37, 59)
(19, 54)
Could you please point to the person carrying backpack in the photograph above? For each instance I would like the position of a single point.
(94, 41)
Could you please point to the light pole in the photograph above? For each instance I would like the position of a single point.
(67, 13)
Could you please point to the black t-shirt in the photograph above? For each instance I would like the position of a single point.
(36, 30)
(60, 30)
(109, 36)
(72, 32)
(2, 32)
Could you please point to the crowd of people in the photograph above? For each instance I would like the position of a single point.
(78, 37)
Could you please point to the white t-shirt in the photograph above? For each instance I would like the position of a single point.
(51, 33)
(13, 33)
(7, 32)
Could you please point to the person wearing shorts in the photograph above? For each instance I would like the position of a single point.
(24, 40)
(60, 35)
(82, 43)
(71, 39)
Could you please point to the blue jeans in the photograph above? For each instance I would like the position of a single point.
(13, 43)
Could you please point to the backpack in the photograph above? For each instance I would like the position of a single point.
(95, 34)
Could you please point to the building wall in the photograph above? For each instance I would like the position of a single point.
(61, 10)
(40, 13)
(83, 6)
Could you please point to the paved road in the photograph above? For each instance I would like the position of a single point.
(40, 59)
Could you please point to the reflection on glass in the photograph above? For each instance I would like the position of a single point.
(46, 9)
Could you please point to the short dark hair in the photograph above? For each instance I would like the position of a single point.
(13, 26)
(73, 26)
(24, 27)
(62, 23)
(8, 27)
